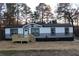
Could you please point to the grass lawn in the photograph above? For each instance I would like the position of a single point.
(40, 53)
(53, 48)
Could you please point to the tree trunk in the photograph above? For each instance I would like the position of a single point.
(77, 22)
(17, 23)
(47, 18)
(42, 15)
(26, 21)
(77, 25)
(65, 20)
(72, 24)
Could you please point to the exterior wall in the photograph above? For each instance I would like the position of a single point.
(58, 35)
(59, 29)
(29, 30)
(62, 29)
(7, 33)
(71, 29)
(20, 30)
(25, 31)
(45, 30)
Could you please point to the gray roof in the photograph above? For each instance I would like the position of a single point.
(20, 26)
(56, 25)
(45, 25)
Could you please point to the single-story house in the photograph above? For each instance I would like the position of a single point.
(43, 31)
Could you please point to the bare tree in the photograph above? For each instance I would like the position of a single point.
(44, 11)
(62, 9)
(10, 14)
(23, 11)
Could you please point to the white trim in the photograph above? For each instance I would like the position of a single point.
(32, 23)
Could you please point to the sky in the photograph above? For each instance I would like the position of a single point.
(34, 3)
(52, 3)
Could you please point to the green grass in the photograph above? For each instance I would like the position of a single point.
(40, 53)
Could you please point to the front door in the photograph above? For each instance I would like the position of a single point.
(25, 32)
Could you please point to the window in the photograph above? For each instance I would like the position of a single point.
(35, 31)
(32, 25)
(14, 31)
(66, 30)
(25, 29)
(52, 31)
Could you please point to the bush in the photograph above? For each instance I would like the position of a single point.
(31, 38)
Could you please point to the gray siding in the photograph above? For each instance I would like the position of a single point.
(57, 35)
(44, 32)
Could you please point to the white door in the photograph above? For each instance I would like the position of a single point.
(25, 32)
